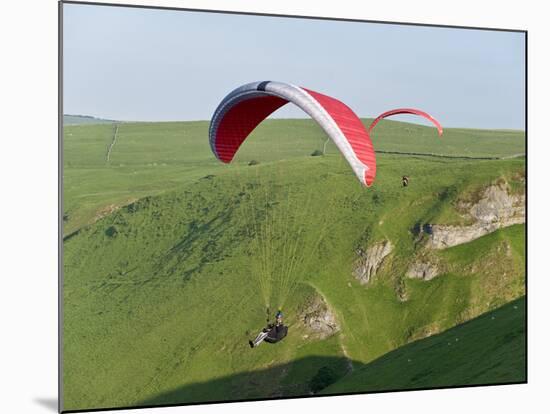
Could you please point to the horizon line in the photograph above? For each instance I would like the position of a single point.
(277, 118)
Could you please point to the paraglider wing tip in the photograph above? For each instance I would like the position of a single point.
(225, 158)
(368, 178)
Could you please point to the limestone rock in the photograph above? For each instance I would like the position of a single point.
(318, 319)
(423, 270)
(495, 209)
(370, 260)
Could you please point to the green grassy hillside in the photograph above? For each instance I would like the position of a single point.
(149, 158)
(488, 349)
(167, 276)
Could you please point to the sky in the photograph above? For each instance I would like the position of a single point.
(164, 65)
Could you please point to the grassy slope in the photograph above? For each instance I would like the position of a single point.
(162, 295)
(149, 158)
(488, 349)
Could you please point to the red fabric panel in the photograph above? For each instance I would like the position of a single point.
(353, 129)
(240, 121)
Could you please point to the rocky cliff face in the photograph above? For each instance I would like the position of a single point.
(370, 260)
(423, 270)
(495, 209)
(318, 319)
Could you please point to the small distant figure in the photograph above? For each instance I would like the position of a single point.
(273, 332)
(405, 181)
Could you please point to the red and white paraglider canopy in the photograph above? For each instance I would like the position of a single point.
(247, 106)
(410, 111)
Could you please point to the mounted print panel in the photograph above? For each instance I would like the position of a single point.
(259, 207)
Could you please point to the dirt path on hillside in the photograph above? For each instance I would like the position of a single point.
(113, 142)
(349, 361)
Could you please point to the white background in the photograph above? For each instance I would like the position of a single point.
(28, 204)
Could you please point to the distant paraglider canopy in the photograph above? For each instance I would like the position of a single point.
(247, 106)
(410, 111)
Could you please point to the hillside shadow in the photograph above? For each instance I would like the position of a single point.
(487, 350)
(306, 377)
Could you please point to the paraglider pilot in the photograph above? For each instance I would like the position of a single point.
(272, 333)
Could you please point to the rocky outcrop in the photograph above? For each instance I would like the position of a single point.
(318, 319)
(423, 270)
(495, 209)
(370, 260)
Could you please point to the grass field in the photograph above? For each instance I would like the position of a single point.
(150, 158)
(165, 280)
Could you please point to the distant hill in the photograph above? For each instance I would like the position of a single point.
(167, 154)
(84, 119)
